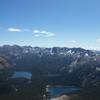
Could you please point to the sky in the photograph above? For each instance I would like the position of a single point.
(48, 23)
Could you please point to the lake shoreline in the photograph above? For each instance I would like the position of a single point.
(55, 91)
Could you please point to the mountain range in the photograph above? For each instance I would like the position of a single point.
(76, 66)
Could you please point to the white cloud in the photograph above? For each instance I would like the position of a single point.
(14, 30)
(73, 41)
(47, 34)
(43, 33)
(37, 35)
(18, 30)
(36, 31)
(50, 34)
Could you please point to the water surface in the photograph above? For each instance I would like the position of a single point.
(26, 75)
(55, 91)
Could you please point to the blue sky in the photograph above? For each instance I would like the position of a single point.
(47, 23)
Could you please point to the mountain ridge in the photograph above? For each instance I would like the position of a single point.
(77, 66)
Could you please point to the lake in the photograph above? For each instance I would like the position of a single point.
(54, 91)
(18, 74)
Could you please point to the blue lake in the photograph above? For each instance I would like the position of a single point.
(55, 91)
(26, 75)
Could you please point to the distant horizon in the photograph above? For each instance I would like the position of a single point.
(46, 46)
